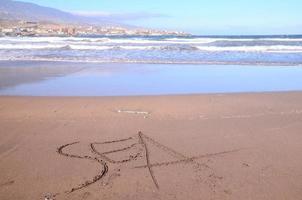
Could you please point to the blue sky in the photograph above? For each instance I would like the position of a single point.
(214, 17)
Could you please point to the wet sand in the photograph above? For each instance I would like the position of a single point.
(14, 73)
(233, 146)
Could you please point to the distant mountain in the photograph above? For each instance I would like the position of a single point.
(17, 10)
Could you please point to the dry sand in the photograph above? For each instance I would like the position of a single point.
(235, 146)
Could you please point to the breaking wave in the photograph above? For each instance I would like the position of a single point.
(161, 49)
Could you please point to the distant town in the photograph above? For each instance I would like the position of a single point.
(31, 28)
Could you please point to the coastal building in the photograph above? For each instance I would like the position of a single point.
(7, 31)
(31, 28)
(70, 31)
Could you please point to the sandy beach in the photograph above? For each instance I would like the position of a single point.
(120, 100)
(224, 146)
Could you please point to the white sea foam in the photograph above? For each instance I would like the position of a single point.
(29, 46)
(153, 49)
(276, 48)
(38, 46)
(135, 41)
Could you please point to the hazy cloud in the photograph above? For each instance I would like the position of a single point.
(118, 16)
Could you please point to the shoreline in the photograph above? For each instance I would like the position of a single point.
(161, 95)
(61, 79)
(256, 64)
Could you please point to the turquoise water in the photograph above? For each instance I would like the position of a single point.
(156, 79)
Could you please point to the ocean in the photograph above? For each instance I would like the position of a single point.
(153, 65)
(224, 50)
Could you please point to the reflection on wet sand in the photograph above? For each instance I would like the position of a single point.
(17, 73)
(95, 79)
